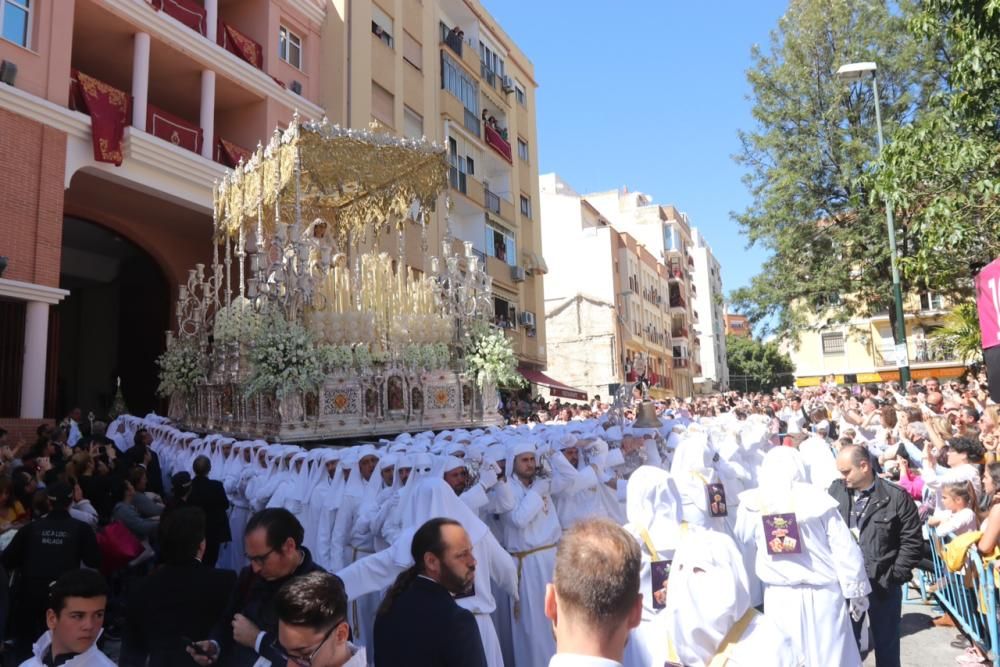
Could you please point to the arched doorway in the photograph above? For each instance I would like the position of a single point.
(111, 325)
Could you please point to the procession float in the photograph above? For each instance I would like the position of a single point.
(302, 329)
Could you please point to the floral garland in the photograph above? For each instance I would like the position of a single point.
(284, 359)
(181, 368)
(490, 358)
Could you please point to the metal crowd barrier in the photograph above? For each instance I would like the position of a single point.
(969, 595)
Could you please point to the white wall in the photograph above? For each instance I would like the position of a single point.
(709, 304)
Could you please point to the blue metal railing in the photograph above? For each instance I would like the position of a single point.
(969, 595)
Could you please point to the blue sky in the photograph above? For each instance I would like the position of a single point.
(648, 94)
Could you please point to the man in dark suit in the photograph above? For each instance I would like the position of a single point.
(210, 496)
(182, 599)
(418, 623)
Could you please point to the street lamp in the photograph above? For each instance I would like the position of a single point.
(856, 72)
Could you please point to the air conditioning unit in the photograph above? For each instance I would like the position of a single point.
(517, 274)
(507, 84)
(527, 318)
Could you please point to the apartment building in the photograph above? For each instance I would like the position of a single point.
(447, 71)
(737, 325)
(602, 318)
(116, 116)
(665, 233)
(708, 302)
(864, 349)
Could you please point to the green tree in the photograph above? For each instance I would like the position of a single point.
(809, 158)
(961, 334)
(757, 366)
(943, 169)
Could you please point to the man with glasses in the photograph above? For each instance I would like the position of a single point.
(246, 633)
(312, 623)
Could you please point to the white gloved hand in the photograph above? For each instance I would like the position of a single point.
(858, 608)
(541, 487)
(488, 474)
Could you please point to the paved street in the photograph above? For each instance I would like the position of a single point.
(923, 644)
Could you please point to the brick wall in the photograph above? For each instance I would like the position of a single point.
(32, 167)
(22, 429)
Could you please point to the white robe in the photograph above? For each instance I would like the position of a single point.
(806, 593)
(532, 524)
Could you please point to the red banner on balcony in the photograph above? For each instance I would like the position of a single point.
(230, 154)
(188, 12)
(237, 43)
(174, 129)
(498, 143)
(108, 108)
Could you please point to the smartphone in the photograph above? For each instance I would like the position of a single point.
(193, 645)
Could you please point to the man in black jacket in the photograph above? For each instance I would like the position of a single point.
(183, 599)
(418, 623)
(248, 630)
(210, 496)
(883, 519)
(40, 552)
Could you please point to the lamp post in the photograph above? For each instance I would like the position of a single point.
(856, 72)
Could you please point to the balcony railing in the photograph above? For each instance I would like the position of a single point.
(492, 201)
(194, 16)
(498, 143)
(681, 362)
(471, 122)
(489, 76)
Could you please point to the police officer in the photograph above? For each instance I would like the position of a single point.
(40, 552)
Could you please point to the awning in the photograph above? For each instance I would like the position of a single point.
(555, 388)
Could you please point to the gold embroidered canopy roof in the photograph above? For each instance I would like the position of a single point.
(354, 180)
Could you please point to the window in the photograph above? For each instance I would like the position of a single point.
(522, 149)
(290, 47)
(931, 301)
(525, 206)
(491, 64)
(504, 313)
(500, 244)
(833, 343)
(412, 50)
(382, 26)
(455, 80)
(383, 104)
(15, 21)
(413, 123)
(519, 93)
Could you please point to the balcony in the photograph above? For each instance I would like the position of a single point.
(682, 362)
(679, 332)
(452, 38)
(492, 202)
(674, 270)
(677, 302)
(496, 141)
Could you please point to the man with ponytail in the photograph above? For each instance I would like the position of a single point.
(418, 623)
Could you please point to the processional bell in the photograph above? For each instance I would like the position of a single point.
(645, 416)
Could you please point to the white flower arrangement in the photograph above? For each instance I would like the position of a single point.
(336, 357)
(362, 356)
(181, 368)
(413, 356)
(236, 322)
(490, 358)
(284, 358)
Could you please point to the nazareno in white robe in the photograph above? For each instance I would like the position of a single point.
(805, 593)
(707, 597)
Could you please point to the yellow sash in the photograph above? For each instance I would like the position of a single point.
(725, 650)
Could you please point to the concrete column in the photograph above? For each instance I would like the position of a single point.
(36, 339)
(140, 80)
(208, 113)
(211, 19)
